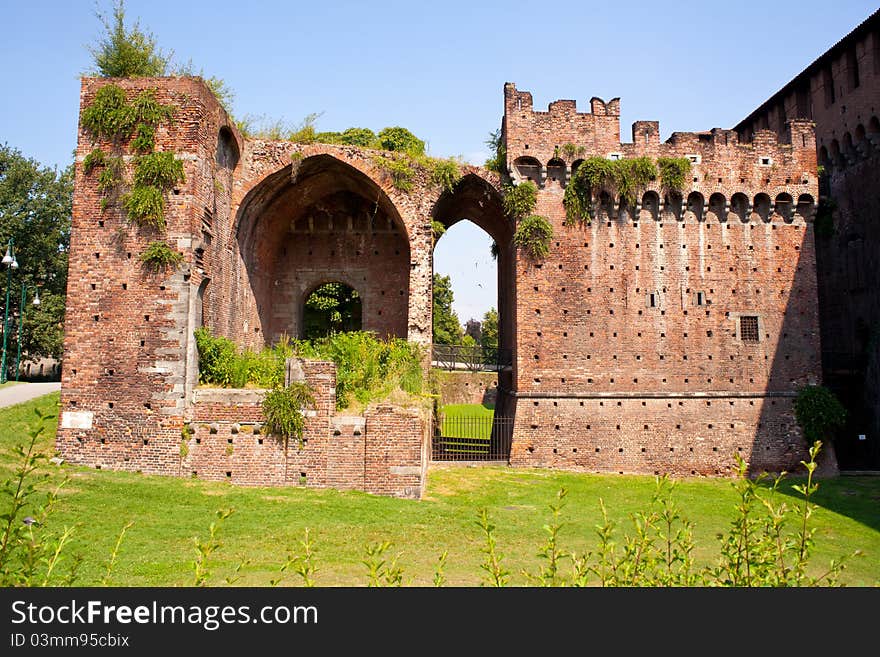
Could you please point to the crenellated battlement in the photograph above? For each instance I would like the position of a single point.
(769, 175)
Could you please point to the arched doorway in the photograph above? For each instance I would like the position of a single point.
(472, 213)
(331, 308)
(316, 222)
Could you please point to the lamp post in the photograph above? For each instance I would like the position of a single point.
(11, 263)
(36, 302)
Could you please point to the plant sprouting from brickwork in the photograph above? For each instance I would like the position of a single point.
(444, 173)
(112, 118)
(284, 409)
(533, 235)
(520, 200)
(625, 178)
(674, 172)
(126, 53)
(158, 256)
(498, 161)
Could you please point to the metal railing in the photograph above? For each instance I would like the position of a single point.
(472, 439)
(472, 358)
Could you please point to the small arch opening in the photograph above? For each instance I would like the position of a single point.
(739, 205)
(805, 207)
(228, 152)
(717, 204)
(762, 206)
(695, 204)
(528, 168)
(651, 205)
(673, 204)
(785, 207)
(330, 308)
(556, 170)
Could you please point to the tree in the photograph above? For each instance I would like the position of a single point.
(490, 328)
(818, 413)
(447, 329)
(125, 53)
(35, 207)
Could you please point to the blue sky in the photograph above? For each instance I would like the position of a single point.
(435, 68)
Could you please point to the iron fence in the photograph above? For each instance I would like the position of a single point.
(472, 358)
(472, 439)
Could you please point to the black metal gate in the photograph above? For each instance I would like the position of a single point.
(472, 439)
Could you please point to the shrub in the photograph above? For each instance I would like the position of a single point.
(123, 53)
(444, 173)
(145, 206)
(520, 200)
(400, 170)
(161, 170)
(673, 172)
(818, 412)
(159, 256)
(533, 235)
(283, 409)
(401, 140)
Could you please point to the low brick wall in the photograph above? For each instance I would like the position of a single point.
(383, 451)
(467, 387)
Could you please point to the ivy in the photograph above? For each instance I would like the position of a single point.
(95, 159)
(158, 256)
(110, 116)
(533, 235)
(673, 172)
(520, 200)
(498, 161)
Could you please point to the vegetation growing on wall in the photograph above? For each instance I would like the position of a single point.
(674, 172)
(533, 235)
(158, 256)
(112, 118)
(625, 178)
(283, 408)
(498, 161)
(126, 53)
(367, 368)
(520, 200)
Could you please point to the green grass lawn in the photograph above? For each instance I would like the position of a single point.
(168, 512)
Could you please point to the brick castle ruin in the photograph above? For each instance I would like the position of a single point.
(664, 336)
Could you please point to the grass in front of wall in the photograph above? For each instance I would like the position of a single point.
(168, 512)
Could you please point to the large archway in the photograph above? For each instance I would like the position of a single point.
(314, 222)
(475, 200)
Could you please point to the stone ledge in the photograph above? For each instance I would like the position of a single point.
(229, 395)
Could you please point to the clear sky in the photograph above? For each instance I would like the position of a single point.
(437, 68)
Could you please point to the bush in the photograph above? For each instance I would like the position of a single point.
(159, 256)
(401, 140)
(125, 53)
(283, 409)
(533, 235)
(520, 200)
(819, 413)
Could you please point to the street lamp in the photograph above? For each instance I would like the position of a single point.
(11, 263)
(36, 302)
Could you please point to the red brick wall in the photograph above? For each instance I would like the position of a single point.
(598, 368)
(380, 452)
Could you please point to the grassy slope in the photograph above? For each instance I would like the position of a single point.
(168, 512)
